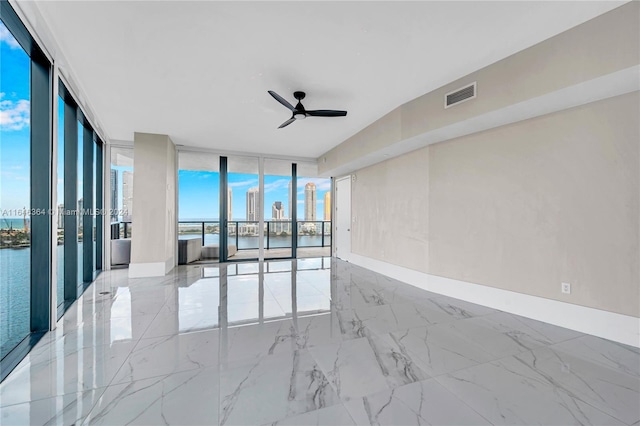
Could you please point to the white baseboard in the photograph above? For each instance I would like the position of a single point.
(609, 325)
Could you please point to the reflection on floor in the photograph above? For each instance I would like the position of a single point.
(312, 341)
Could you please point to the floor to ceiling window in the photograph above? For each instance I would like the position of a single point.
(243, 231)
(31, 153)
(25, 190)
(15, 189)
(199, 200)
(314, 211)
(121, 176)
(278, 201)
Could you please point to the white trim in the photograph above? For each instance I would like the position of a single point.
(151, 269)
(609, 325)
(475, 88)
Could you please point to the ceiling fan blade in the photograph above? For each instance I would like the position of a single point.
(286, 123)
(326, 113)
(280, 99)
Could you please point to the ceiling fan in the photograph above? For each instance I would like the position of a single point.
(299, 113)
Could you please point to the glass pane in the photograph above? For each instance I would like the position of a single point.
(277, 208)
(61, 215)
(199, 200)
(80, 205)
(121, 196)
(15, 189)
(314, 213)
(243, 232)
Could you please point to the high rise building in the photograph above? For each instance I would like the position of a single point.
(60, 216)
(327, 205)
(310, 201)
(277, 211)
(114, 195)
(229, 204)
(253, 195)
(127, 196)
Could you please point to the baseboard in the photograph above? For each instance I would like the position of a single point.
(609, 325)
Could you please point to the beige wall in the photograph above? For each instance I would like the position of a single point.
(153, 241)
(390, 207)
(522, 207)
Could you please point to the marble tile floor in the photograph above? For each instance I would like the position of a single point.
(314, 341)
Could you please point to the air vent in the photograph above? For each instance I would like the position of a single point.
(460, 95)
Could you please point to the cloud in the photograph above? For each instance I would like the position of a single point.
(251, 182)
(7, 37)
(14, 115)
(275, 185)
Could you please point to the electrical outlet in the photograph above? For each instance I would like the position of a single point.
(566, 288)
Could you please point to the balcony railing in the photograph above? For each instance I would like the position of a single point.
(245, 235)
(120, 230)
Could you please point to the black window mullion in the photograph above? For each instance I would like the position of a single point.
(41, 154)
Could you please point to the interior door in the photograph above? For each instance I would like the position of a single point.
(343, 218)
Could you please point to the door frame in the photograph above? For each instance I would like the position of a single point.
(341, 182)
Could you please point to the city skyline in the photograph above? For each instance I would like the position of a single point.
(199, 194)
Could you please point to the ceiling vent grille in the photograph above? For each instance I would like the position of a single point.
(463, 94)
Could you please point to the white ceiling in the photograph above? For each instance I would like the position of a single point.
(200, 71)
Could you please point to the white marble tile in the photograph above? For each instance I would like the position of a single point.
(607, 389)
(420, 403)
(396, 363)
(492, 339)
(67, 409)
(366, 321)
(625, 359)
(186, 398)
(509, 392)
(169, 354)
(273, 388)
(320, 329)
(408, 315)
(184, 349)
(459, 309)
(438, 349)
(351, 367)
(527, 332)
(252, 341)
(336, 415)
(58, 373)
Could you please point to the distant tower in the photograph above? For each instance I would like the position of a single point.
(114, 195)
(60, 216)
(229, 204)
(127, 196)
(277, 211)
(310, 201)
(252, 204)
(327, 205)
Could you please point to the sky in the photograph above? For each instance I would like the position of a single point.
(199, 194)
(14, 124)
